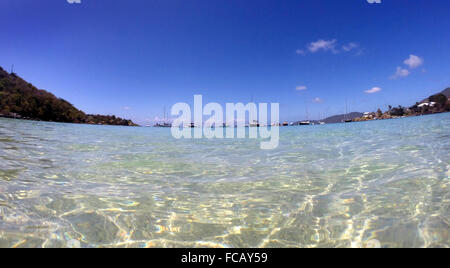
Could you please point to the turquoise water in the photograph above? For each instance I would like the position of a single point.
(372, 184)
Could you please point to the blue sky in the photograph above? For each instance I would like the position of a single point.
(131, 58)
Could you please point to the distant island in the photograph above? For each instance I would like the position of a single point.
(438, 103)
(333, 119)
(20, 99)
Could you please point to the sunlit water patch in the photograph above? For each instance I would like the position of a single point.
(373, 184)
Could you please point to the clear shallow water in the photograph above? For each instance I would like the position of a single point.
(383, 183)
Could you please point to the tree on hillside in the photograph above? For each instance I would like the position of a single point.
(398, 111)
(379, 113)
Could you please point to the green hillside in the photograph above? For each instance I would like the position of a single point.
(20, 99)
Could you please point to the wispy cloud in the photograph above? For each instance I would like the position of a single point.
(317, 100)
(373, 90)
(329, 46)
(301, 88)
(400, 73)
(300, 52)
(126, 108)
(325, 45)
(350, 46)
(413, 61)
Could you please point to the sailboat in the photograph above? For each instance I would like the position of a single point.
(321, 122)
(164, 124)
(346, 113)
(306, 122)
(255, 123)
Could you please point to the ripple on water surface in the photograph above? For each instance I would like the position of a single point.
(374, 184)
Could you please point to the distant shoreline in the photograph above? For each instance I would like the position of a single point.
(59, 122)
(87, 124)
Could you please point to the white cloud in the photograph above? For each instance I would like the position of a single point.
(373, 90)
(317, 100)
(329, 46)
(126, 108)
(413, 61)
(400, 73)
(301, 88)
(350, 46)
(325, 45)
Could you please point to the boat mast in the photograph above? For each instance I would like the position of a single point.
(346, 110)
(306, 109)
(164, 114)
